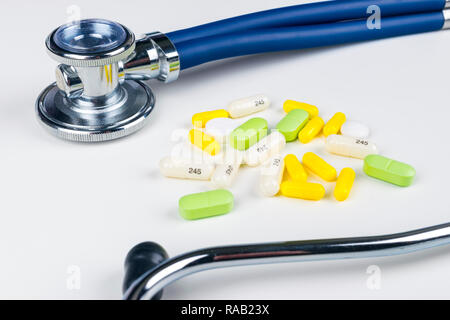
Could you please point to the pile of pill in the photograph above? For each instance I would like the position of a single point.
(218, 134)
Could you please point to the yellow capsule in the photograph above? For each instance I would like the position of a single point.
(319, 166)
(286, 176)
(290, 105)
(199, 120)
(302, 190)
(334, 125)
(344, 184)
(203, 141)
(311, 130)
(295, 168)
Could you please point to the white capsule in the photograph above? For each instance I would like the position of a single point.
(221, 128)
(350, 147)
(226, 172)
(264, 149)
(244, 107)
(355, 129)
(185, 169)
(271, 176)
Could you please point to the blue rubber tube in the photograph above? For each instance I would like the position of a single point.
(306, 14)
(196, 52)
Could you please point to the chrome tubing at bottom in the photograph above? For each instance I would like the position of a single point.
(154, 280)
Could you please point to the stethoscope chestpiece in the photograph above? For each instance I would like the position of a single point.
(99, 93)
(90, 43)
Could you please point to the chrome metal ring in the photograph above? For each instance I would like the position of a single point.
(169, 58)
(446, 14)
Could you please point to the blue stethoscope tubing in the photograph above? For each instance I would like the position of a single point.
(304, 26)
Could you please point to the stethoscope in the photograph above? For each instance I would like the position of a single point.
(100, 94)
(148, 270)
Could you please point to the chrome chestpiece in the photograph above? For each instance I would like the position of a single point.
(99, 93)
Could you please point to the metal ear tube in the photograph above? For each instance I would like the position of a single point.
(148, 269)
(99, 93)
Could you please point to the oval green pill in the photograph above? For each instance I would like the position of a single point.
(292, 123)
(247, 134)
(206, 204)
(389, 170)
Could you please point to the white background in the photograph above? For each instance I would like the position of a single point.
(65, 204)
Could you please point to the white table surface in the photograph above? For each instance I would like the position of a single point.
(66, 205)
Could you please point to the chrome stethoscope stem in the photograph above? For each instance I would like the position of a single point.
(154, 280)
